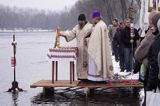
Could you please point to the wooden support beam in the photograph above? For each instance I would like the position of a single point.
(53, 72)
(56, 70)
(71, 72)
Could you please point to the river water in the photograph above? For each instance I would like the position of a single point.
(33, 65)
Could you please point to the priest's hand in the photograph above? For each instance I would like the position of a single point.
(62, 34)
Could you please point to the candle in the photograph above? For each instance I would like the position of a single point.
(58, 31)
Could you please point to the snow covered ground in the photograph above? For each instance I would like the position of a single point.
(128, 74)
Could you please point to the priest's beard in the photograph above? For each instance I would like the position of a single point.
(95, 22)
(81, 25)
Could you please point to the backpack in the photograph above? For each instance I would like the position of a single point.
(142, 73)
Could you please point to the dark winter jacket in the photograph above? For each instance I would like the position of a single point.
(118, 40)
(153, 80)
(126, 37)
(117, 37)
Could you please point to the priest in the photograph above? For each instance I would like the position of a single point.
(99, 50)
(80, 32)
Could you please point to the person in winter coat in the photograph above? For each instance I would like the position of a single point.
(128, 42)
(118, 42)
(141, 53)
(112, 33)
(153, 82)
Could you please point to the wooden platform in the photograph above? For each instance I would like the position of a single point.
(59, 83)
(66, 83)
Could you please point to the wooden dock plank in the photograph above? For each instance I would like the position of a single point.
(112, 84)
(66, 83)
(109, 86)
(59, 83)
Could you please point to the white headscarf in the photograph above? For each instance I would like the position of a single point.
(158, 25)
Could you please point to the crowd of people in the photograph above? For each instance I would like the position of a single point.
(125, 39)
(131, 46)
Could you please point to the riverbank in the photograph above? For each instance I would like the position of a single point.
(25, 31)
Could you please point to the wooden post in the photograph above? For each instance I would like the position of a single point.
(14, 83)
(48, 91)
(90, 91)
(71, 73)
(53, 72)
(56, 70)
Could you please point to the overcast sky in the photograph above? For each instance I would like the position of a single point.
(54, 5)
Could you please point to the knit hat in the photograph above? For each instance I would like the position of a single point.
(81, 17)
(95, 14)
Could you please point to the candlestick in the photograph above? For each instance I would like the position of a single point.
(57, 42)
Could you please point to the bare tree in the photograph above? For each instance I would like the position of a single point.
(31, 18)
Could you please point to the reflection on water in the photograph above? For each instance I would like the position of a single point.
(15, 98)
(102, 97)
